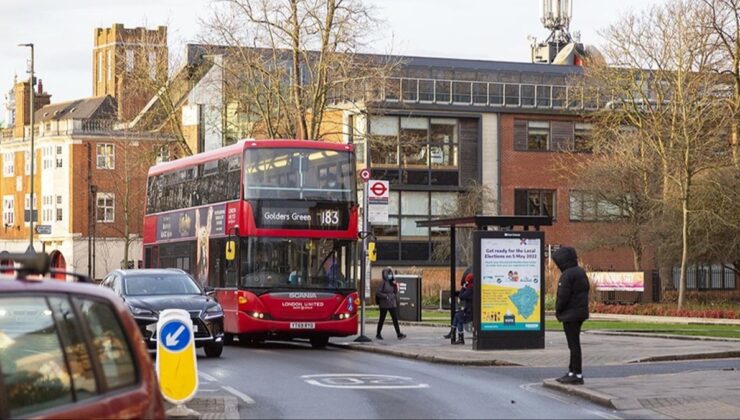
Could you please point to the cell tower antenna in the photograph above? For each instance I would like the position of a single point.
(555, 15)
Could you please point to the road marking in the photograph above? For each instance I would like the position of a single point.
(244, 397)
(362, 381)
(207, 377)
(536, 388)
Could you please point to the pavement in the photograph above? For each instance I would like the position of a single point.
(691, 394)
(207, 408)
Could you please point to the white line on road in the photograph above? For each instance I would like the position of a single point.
(207, 377)
(244, 397)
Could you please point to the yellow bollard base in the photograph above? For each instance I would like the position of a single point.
(180, 411)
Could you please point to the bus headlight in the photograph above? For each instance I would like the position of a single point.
(259, 315)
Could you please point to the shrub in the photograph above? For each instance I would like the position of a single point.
(664, 310)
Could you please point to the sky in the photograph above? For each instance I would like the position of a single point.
(62, 31)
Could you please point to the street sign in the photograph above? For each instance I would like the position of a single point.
(176, 363)
(43, 229)
(365, 174)
(377, 197)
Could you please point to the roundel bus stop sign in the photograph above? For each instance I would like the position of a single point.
(177, 368)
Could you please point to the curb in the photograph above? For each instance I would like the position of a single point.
(695, 356)
(422, 357)
(659, 335)
(597, 397)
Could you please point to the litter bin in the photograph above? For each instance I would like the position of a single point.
(409, 297)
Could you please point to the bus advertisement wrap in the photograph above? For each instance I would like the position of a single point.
(186, 224)
(510, 284)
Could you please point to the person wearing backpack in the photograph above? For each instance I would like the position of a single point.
(571, 308)
(387, 299)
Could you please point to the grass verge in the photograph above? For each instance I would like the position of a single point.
(721, 331)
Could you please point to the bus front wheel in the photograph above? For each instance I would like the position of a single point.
(319, 342)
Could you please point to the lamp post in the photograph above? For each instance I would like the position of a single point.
(33, 156)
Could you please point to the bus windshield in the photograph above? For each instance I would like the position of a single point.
(295, 263)
(298, 174)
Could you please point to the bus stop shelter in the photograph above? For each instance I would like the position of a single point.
(481, 223)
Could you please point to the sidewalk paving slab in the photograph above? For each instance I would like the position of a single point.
(426, 343)
(685, 395)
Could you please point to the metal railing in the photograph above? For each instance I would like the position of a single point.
(107, 128)
(406, 90)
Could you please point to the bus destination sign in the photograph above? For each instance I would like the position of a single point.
(317, 217)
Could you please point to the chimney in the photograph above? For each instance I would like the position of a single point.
(41, 87)
(22, 102)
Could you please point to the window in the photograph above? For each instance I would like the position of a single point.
(129, 61)
(384, 141)
(534, 203)
(152, 65)
(60, 215)
(27, 163)
(413, 140)
(47, 208)
(110, 64)
(32, 361)
(105, 208)
(589, 206)
(100, 66)
(27, 207)
(538, 135)
(105, 154)
(59, 157)
(80, 366)
(400, 238)
(46, 157)
(8, 210)
(109, 343)
(582, 137)
(9, 164)
(415, 150)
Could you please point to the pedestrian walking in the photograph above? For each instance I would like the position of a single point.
(387, 298)
(571, 308)
(465, 314)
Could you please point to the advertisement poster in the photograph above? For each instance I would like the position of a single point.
(510, 284)
(618, 281)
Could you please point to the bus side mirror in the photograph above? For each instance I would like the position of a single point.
(372, 254)
(230, 250)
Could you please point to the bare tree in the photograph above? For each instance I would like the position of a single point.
(661, 82)
(723, 19)
(614, 186)
(134, 154)
(289, 62)
(475, 200)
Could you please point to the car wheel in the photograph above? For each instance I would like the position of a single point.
(214, 349)
(228, 339)
(319, 342)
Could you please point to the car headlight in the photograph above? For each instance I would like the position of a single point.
(214, 311)
(142, 311)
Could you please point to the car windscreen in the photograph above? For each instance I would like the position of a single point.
(159, 284)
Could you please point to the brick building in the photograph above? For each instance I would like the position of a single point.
(90, 168)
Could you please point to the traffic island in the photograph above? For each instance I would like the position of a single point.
(209, 408)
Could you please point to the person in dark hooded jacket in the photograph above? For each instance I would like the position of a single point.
(571, 308)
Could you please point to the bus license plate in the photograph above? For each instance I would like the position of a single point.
(302, 325)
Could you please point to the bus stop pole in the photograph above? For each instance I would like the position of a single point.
(362, 338)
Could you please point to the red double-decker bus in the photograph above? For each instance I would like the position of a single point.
(271, 226)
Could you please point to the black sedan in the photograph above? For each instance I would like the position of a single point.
(147, 292)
